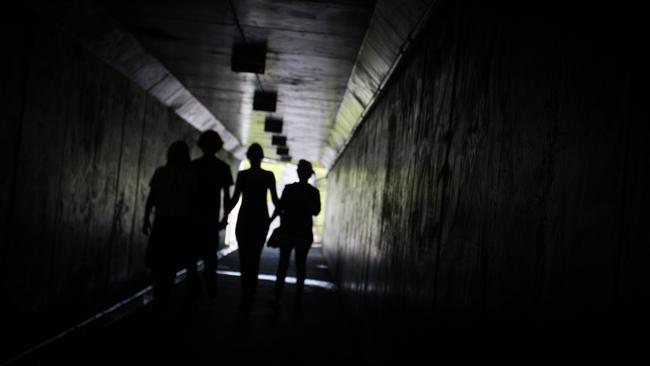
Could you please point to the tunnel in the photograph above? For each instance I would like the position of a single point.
(482, 167)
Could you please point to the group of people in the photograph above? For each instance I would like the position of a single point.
(186, 195)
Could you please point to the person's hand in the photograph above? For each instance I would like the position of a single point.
(222, 224)
(146, 227)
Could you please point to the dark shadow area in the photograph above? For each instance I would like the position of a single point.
(492, 206)
(217, 331)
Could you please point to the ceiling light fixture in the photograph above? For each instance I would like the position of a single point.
(279, 140)
(273, 124)
(248, 57)
(281, 150)
(265, 101)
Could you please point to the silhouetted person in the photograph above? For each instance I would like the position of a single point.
(299, 202)
(171, 190)
(214, 177)
(253, 220)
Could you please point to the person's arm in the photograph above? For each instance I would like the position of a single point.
(316, 207)
(276, 212)
(226, 179)
(146, 225)
(274, 196)
(151, 199)
(232, 202)
(274, 192)
(278, 205)
(226, 205)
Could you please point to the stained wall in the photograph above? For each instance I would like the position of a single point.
(500, 176)
(79, 145)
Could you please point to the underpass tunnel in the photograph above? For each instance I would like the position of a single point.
(482, 168)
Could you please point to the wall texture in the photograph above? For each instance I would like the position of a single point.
(500, 176)
(79, 145)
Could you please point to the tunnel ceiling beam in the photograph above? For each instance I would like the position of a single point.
(326, 62)
(105, 38)
(393, 27)
(311, 47)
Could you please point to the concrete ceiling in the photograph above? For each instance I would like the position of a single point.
(312, 47)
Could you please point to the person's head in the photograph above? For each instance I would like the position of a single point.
(304, 170)
(178, 154)
(255, 154)
(210, 142)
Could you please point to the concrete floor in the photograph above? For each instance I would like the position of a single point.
(217, 331)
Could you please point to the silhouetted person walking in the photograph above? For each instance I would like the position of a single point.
(253, 219)
(214, 177)
(171, 190)
(299, 202)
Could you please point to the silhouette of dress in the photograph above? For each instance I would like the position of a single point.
(252, 224)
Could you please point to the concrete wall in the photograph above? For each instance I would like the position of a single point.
(79, 145)
(501, 176)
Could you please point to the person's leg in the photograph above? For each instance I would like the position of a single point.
(158, 291)
(193, 284)
(209, 246)
(301, 273)
(243, 269)
(281, 274)
(210, 271)
(163, 282)
(248, 274)
(255, 266)
(185, 239)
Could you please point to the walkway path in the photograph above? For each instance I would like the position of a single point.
(217, 333)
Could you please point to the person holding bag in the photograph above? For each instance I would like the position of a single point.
(299, 202)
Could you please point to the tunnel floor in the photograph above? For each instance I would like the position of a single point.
(216, 330)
